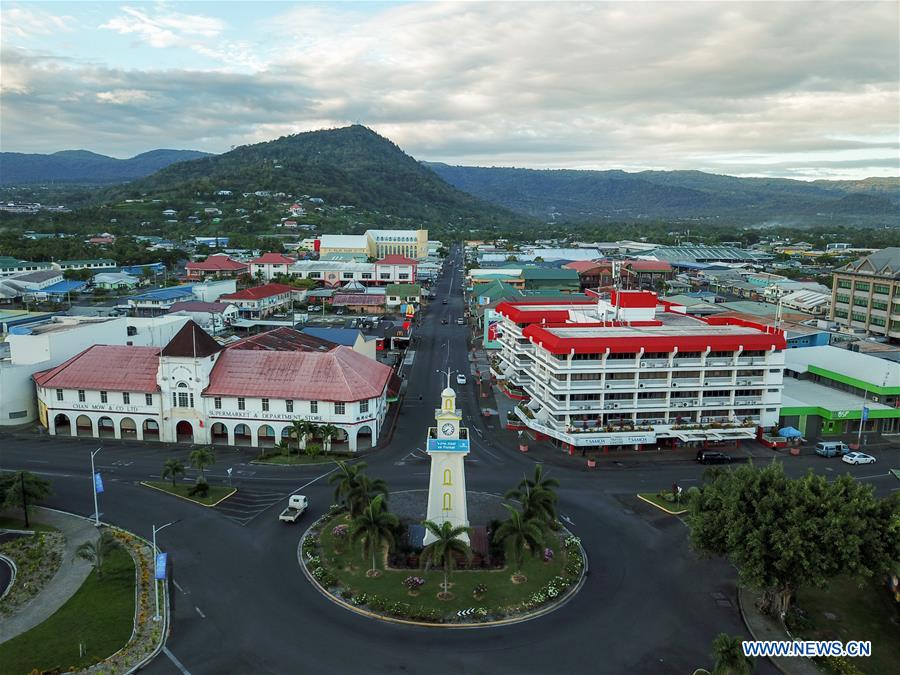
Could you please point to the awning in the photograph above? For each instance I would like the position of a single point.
(789, 432)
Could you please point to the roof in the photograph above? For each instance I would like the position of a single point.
(258, 292)
(199, 306)
(88, 261)
(273, 259)
(809, 394)
(885, 262)
(341, 336)
(394, 259)
(215, 263)
(351, 299)
(543, 273)
(693, 254)
(114, 277)
(166, 293)
(284, 339)
(36, 277)
(648, 266)
(403, 289)
(106, 368)
(338, 375)
(191, 341)
(861, 368)
(344, 241)
(582, 266)
(63, 287)
(498, 289)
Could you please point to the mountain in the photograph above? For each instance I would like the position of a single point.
(81, 166)
(347, 166)
(577, 195)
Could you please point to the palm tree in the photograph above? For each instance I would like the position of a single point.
(96, 552)
(374, 528)
(302, 430)
(202, 458)
(172, 469)
(283, 447)
(363, 490)
(519, 534)
(442, 551)
(344, 480)
(729, 656)
(537, 497)
(328, 431)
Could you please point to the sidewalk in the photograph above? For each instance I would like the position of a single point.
(762, 627)
(68, 579)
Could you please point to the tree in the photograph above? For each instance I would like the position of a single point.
(96, 552)
(283, 447)
(172, 469)
(537, 496)
(11, 487)
(519, 534)
(302, 430)
(363, 490)
(344, 480)
(729, 656)
(444, 549)
(202, 458)
(374, 528)
(328, 431)
(782, 534)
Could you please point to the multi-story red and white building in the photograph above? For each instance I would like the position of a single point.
(258, 302)
(629, 369)
(216, 266)
(395, 269)
(269, 264)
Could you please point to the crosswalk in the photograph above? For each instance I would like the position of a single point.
(247, 503)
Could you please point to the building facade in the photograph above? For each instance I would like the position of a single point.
(216, 266)
(268, 265)
(259, 302)
(866, 294)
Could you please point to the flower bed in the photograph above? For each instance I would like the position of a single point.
(37, 558)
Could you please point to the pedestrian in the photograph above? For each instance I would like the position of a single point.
(583, 448)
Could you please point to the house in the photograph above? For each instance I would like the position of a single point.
(402, 294)
(102, 240)
(332, 272)
(646, 274)
(159, 301)
(592, 274)
(544, 279)
(268, 265)
(114, 281)
(216, 266)
(96, 264)
(211, 316)
(349, 337)
(36, 281)
(170, 213)
(11, 266)
(343, 243)
(395, 269)
(362, 303)
(259, 302)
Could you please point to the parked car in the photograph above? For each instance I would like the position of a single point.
(831, 448)
(858, 458)
(444, 301)
(710, 457)
(444, 321)
(460, 378)
(460, 321)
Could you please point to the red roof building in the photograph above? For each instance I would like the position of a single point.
(105, 368)
(395, 269)
(216, 266)
(258, 302)
(268, 265)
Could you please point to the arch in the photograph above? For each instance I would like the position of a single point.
(448, 477)
(106, 428)
(242, 434)
(364, 438)
(265, 436)
(62, 425)
(447, 503)
(127, 428)
(218, 433)
(150, 430)
(287, 433)
(184, 432)
(84, 426)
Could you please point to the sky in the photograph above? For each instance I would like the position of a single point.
(791, 89)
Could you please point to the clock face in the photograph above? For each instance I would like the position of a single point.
(447, 429)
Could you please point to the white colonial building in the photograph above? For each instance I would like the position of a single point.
(631, 370)
(194, 391)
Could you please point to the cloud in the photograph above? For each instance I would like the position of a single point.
(763, 87)
(26, 23)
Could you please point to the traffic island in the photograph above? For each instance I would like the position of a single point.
(485, 592)
(216, 495)
(665, 502)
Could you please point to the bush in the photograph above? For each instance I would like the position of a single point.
(414, 583)
(346, 594)
(480, 589)
(378, 604)
(200, 489)
(360, 599)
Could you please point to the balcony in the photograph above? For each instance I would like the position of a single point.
(718, 380)
(686, 382)
(654, 363)
(716, 401)
(719, 362)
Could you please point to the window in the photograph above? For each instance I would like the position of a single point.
(843, 283)
(314, 407)
(148, 399)
(363, 406)
(131, 330)
(59, 395)
(102, 397)
(289, 406)
(366, 275)
(183, 399)
(126, 398)
(339, 408)
(447, 502)
(242, 403)
(217, 402)
(881, 289)
(265, 405)
(448, 478)
(862, 287)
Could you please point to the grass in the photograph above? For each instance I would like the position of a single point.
(867, 613)
(302, 459)
(501, 591)
(100, 616)
(19, 524)
(656, 500)
(216, 492)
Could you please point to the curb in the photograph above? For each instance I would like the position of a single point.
(571, 593)
(752, 634)
(12, 577)
(671, 513)
(188, 499)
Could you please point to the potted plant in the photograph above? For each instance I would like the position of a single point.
(591, 462)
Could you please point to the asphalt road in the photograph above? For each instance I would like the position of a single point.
(241, 604)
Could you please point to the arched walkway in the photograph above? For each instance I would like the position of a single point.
(84, 426)
(184, 432)
(242, 435)
(62, 425)
(150, 429)
(219, 433)
(106, 428)
(127, 428)
(265, 436)
(363, 438)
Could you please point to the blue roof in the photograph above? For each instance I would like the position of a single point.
(167, 293)
(63, 287)
(341, 336)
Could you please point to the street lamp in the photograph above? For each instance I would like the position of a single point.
(94, 487)
(155, 580)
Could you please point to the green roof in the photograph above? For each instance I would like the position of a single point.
(549, 274)
(9, 261)
(90, 261)
(403, 290)
(498, 289)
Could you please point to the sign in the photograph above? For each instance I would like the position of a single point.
(448, 445)
(98, 483)
(161, 560)
(865, 413)
(612, 439)
(491, 330)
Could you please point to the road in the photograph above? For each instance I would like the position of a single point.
(241, 604)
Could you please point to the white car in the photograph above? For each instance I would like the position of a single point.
(460, 379)
(858, 458)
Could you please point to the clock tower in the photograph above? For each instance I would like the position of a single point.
(448, 444)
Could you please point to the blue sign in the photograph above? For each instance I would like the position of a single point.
(161, 559)
(98, 483)
(865, 414)
(448, 445)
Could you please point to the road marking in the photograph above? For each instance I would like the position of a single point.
(178, 664)
(314, 480)
(567, 519)
(38, 461)
(200, 612)
(178, 586)
(877, 475)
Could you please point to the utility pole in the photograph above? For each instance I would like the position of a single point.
(156, 529)
(94, 488)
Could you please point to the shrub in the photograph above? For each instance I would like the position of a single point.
(200, 489)
(480, 589)
(414, 583)
(340, 531)
(548, 554)
(377, 603)
(360, 599)
(346, 594)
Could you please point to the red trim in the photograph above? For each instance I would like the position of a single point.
(644, 299)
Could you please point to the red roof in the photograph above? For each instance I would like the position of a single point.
(534, 311)
(648, 266)
(360, 299)
(273, 259)
(582, 266)
(217, 263)
(258, 292)
(106, 368)
(284, 339)
(339, 375)
(395, 259)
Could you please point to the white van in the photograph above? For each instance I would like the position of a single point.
(831, 448)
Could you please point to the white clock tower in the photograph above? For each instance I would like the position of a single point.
(448, 444)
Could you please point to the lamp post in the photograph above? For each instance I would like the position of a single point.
(155, 580)
(94, 488)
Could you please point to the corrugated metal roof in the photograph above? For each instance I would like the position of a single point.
(106, 368)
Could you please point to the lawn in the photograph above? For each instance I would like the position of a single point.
(216, 492)
(867, 613)
(302, 459)
(19, 524)
(502, 597)
(99, 616)
(656, 500)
